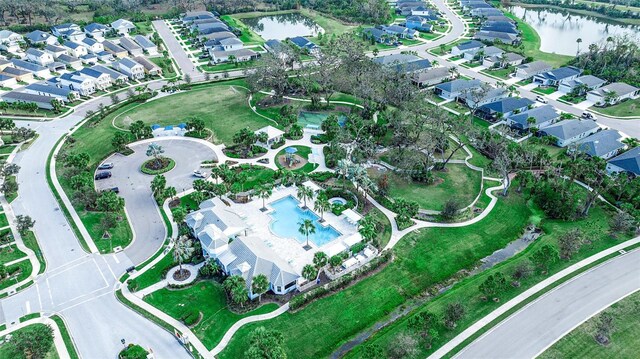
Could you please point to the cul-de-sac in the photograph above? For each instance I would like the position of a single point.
(359, 179)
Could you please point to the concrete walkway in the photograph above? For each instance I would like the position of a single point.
(58, 341)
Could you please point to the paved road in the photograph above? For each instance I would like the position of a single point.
(176, 50)
(135, 188)
(533, 329)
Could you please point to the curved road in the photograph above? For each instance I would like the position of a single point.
(533, 329)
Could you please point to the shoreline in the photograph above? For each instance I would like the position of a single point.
(616, 21)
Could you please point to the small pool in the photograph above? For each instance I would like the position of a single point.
(338, 200)
(286, 216)
(314, 119)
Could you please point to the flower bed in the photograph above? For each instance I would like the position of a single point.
(157, 166)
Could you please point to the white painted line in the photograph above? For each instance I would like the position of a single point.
(49, 289)
(39, 297)
(115, 258)
(108, 266)
(27, 306)
(101, 274)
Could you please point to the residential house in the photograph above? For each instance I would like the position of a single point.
(38, 37)
(582, 84)
(149, 47)
(476, 97)
(4, 64)
(241, 55)
(421, 11)
(612, 94)
(56, 66)
(503, 60)
(228, 44)
(7, 81)
(400, 31)
(89, 59)
(538, 117)
(74, 49)
(418, 23)
(76, 81)
(554, 77)
(115, 76)
(628, 162)
(18, 74)
(273, 46)
(467, 46)
(452, 89)
(485, 12)
(216, 36)
(62, 94)
(36, 69)
(96, 31)
(10, 41)
(105, 56)
(71, 61)
(92, 45)
(569, 131)
(378, 36)
(499, 18)
(604, 144)
(39, 57)
(149, 67)
(114, 49)
(495, 37)
(432, 76)
(62, 29)
(122, 26)
(102, 81)
(132, 69)
(395, 59)
(43, 102)
(304, 44)
(132, 48)
(197, 15)
(505, 27)
(274, 135)
(210, 28)
(531, 69)
(56, 51)
(504, 108)
(482, 52)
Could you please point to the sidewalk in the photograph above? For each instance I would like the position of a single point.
(466, 334)
(61, 348)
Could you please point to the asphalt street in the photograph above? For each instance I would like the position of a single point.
(528, 332)
(135, 188)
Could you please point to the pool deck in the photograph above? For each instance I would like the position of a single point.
(289, 249)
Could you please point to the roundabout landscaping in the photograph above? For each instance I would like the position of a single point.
(156, 166)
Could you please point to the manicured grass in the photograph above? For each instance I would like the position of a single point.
(429, 35)
(68, 341)
(459, 182)
(501, 73)
(456, 106)
(544, 90)
(6, 149)
(224, 109)
(466, 292)
(304, 152)
(210, 299)
(3, 220)
(7, 352)
(165, 64)
(25, 270)
(11, 196)
(423, 259)
(256, 175)
(146, 170)
(228, 66)
(572, 99)
(10, 253)
(385, 235)
(154, 274)
(30, 241)
(248, 37)
(121, 235)
(623, 109)
(625, 339)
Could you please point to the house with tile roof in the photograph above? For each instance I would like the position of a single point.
(539, 117)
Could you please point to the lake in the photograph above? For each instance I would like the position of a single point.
(280, 27)
(559, 29)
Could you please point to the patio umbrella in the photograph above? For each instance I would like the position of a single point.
(290, 150)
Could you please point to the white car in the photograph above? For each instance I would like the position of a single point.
(199, 174)
(541, 99)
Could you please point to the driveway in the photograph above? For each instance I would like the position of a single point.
(135, 188)
(533, 329)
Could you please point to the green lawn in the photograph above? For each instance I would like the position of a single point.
(211, 300)
(7, 352)
(154, 274)
(304, 152)
(68, 341)
(429, 35)
(165, 64)
(423, 259)
(23, 270)
(3, 220)
(623, 109)
(10, 253)
(256, 175)
(121, 235)
(625, 339)
(456, 106)
(248, 36)
(458, 182)
(228, 66)
(6, 149)
(501, 73)
(224, 109)
(544, 90)
(30, 241)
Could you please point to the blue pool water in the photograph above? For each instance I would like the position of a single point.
(286, 216)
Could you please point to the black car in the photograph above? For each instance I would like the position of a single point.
(114, 189)
(103, 175)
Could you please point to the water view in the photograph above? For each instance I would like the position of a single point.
(559, 30)
(280, 27)
(286, 216)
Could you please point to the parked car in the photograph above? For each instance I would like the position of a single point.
(106, 166)
(588, 116)
(199, 174)
(103, 175)
(541, 99)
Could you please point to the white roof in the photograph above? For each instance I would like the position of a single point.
(352, 215)
(353, 239)
(271, 131)
(335, 249)
(350, 262)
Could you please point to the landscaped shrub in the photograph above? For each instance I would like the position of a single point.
(322, 176)
(191, 317)
(358, 247)
(133, 351)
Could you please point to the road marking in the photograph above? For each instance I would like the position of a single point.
(115, 258)
(49, 289)
(39, 297)
(86, 301)
(27, 306)
(100, 271)
(108, 266)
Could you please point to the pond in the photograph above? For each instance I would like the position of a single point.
(314, 119)
(559, 30)
(280, 27)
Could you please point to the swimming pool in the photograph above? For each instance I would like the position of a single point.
(314, 119)
(286, 216)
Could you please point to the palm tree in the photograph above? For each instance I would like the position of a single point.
(320, 259)
(304, 193)
(182, 250)
(435, 63)
(309, 272)
(216, 171)
(322, 205)
(307, 227)
(259, 285)
(578, 40)
(265, 191)
(367, 228)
